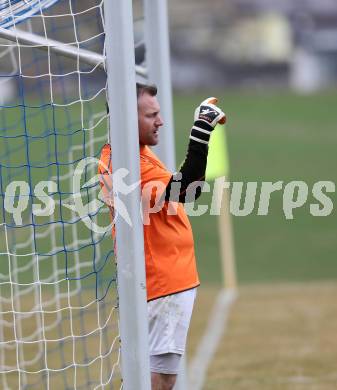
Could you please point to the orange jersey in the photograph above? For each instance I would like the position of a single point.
(168, 239)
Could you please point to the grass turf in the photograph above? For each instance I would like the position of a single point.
(274, 136)
(271, 137)
(279, 336)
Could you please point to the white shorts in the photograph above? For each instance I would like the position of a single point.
(169, 320)
(167, 363)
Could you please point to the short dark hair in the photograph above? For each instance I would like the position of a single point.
(141, 88)
(146, 88)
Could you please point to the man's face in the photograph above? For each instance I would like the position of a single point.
(149, 119)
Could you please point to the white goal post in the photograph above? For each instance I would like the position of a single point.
(129, 239)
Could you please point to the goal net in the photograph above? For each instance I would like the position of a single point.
(58, 296)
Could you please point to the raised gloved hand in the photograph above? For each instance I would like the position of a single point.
(206, 117)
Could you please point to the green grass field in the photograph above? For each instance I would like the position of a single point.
(272, 137)
(281, 332)
(279, 336)
(276, 136)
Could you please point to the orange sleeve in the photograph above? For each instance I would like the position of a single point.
(104, 168)
(104, 165)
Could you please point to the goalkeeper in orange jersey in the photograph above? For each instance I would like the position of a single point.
(171, 273)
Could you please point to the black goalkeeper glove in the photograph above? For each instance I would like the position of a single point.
(206, 117)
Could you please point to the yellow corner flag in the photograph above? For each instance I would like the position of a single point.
(217, 166)
(217, 160)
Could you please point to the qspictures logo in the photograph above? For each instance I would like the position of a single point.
(245, 197)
